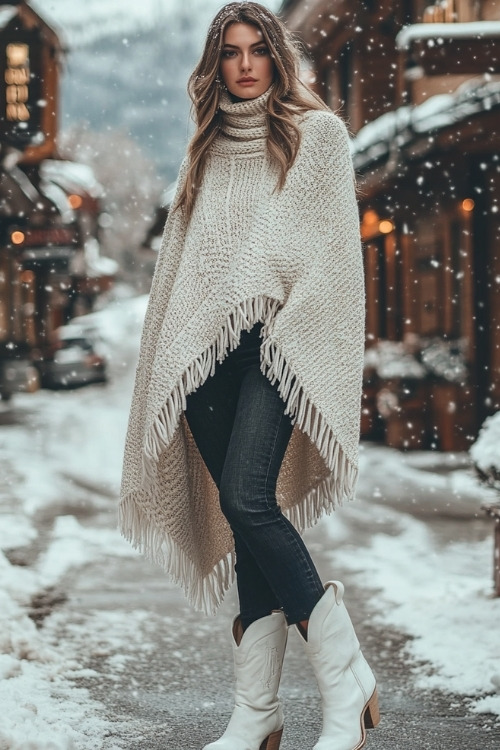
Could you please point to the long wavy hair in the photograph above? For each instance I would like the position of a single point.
(288, 97)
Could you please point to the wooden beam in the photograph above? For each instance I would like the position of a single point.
(457, 56)
(319, 20)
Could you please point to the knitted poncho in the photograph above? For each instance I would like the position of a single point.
(289, 258)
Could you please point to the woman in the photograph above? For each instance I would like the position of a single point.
(245, 417)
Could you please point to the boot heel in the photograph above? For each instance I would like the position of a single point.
(273, 741)
(372, 713)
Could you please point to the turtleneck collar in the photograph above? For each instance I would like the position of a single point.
(244, 123)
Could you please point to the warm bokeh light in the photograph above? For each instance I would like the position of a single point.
(27, 277)
(386, 226)
(75, 201)
(17, 238)
(370, 217)
(468, 204)
(17, 54)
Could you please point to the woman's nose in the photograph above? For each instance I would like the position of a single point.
(245, 61)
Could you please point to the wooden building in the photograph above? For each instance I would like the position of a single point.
(50, 265)
(30, 52)
(419, 87)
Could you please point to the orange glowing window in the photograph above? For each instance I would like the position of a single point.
(17, 77)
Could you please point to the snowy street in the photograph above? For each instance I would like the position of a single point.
(99, 650)
(336, 164)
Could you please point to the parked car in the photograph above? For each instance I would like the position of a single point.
(17, 374)
(77, 358)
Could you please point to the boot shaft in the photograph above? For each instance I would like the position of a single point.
(258, 661)
(346, 682)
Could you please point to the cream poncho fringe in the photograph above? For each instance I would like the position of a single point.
(290, 259)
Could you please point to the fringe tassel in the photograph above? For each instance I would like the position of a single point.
(341, 482)
(204, 593)
(339, 485)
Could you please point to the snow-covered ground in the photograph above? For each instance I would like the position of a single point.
(435, 588)
(60, 451)
(61, 455)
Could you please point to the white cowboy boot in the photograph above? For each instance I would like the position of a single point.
(257, 719)
(346, 683)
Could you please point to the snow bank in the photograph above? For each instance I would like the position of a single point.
(41, 707)
(40, 711)
(438, 592)
(426, 484)
(485, 452)
(62, 454)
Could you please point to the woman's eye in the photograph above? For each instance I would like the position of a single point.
(261, 51)
(228, 53)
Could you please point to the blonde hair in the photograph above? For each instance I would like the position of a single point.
(288, 97)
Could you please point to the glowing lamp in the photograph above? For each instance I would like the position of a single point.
(27, 277)
(385, 226)
(17, 238)
(468, 204)
(370, 217)
(17, 55)
(75, 201)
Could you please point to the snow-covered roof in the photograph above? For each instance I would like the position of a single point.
(7, 13)
(381, 130)
(474, 29)
(71, 176)
(30, 19)
(59, 198)
(401, 126)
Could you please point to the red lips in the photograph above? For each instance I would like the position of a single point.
(246, 79)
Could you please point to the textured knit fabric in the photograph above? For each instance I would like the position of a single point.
(290, 258)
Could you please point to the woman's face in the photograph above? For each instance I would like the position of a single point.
(246, 66)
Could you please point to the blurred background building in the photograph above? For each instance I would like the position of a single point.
(419, 87)
(51, 267)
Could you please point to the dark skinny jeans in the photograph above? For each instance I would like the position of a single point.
(238, 422)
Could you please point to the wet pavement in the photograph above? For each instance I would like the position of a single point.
(169, 686)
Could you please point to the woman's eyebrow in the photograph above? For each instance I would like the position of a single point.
(235, 46)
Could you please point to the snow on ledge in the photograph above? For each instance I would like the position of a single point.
(485, 452)
(398, 127)
(6, 15)
(416, 31)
